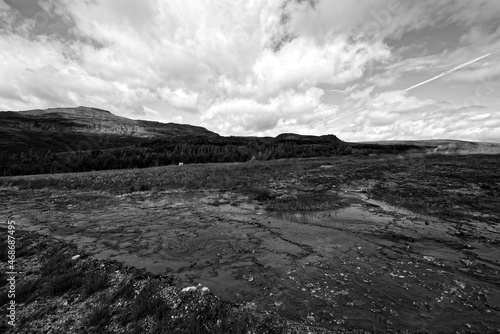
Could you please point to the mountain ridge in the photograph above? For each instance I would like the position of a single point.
(67, 129)
(88, 128)
(100, 120)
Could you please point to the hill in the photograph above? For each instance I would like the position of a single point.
(61, 140)
(82, 128)
(446, 146)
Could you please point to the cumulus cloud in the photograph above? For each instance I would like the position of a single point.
(397, 115)
(361, 94)
(380, 19)
(337, 62)
(292, 109)
(248, 67)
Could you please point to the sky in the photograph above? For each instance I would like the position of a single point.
(361, 70)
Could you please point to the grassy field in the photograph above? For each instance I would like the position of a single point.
(446, 186)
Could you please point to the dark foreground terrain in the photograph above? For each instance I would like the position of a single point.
(376, 244)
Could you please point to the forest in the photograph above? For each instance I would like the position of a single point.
(185, 149)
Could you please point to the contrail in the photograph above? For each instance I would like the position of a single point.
(344, 115)
(456, 68)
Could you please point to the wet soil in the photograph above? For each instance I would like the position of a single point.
(367, 265)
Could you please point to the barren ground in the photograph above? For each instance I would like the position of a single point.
(380, 243)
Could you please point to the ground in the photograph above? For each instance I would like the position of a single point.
(378, 244)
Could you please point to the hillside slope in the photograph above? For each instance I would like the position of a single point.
(82, 128)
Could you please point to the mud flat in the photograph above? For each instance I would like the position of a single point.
(361, 264)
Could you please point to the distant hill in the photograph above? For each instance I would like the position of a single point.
(82, 128)
(305, 138)
(83, 139)
(446, 146)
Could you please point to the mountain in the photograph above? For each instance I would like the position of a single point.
(82, 128)
(65, 140)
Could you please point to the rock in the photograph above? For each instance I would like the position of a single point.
(189, 289)
(76, 257)
(394, 313)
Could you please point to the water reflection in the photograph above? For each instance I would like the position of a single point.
(351, 212)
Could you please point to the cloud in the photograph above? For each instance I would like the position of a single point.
(187, 46)
(180, 99)
(397, 115)
(388, 74)
(361, 94)
(337, 62)
(414, 64)
(301, 111)
(241, 116)
(250, 67)
(487, 70)
(382, 19)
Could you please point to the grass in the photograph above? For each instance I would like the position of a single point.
(4, 249)
(218, 176)
(215, 317)
(147, 302)
(94, 281)
(60, 274)
(211, 315)
(60, 283)
(423, 184)
(98, 316)
(56, 262)
(125, 290)
(307, 202)
(258, 193)
(4, 297)
(40, 313)
(26, 291)
(447, 187)
(25, 251)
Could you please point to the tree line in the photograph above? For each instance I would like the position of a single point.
(188, 150)
(166, 152)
